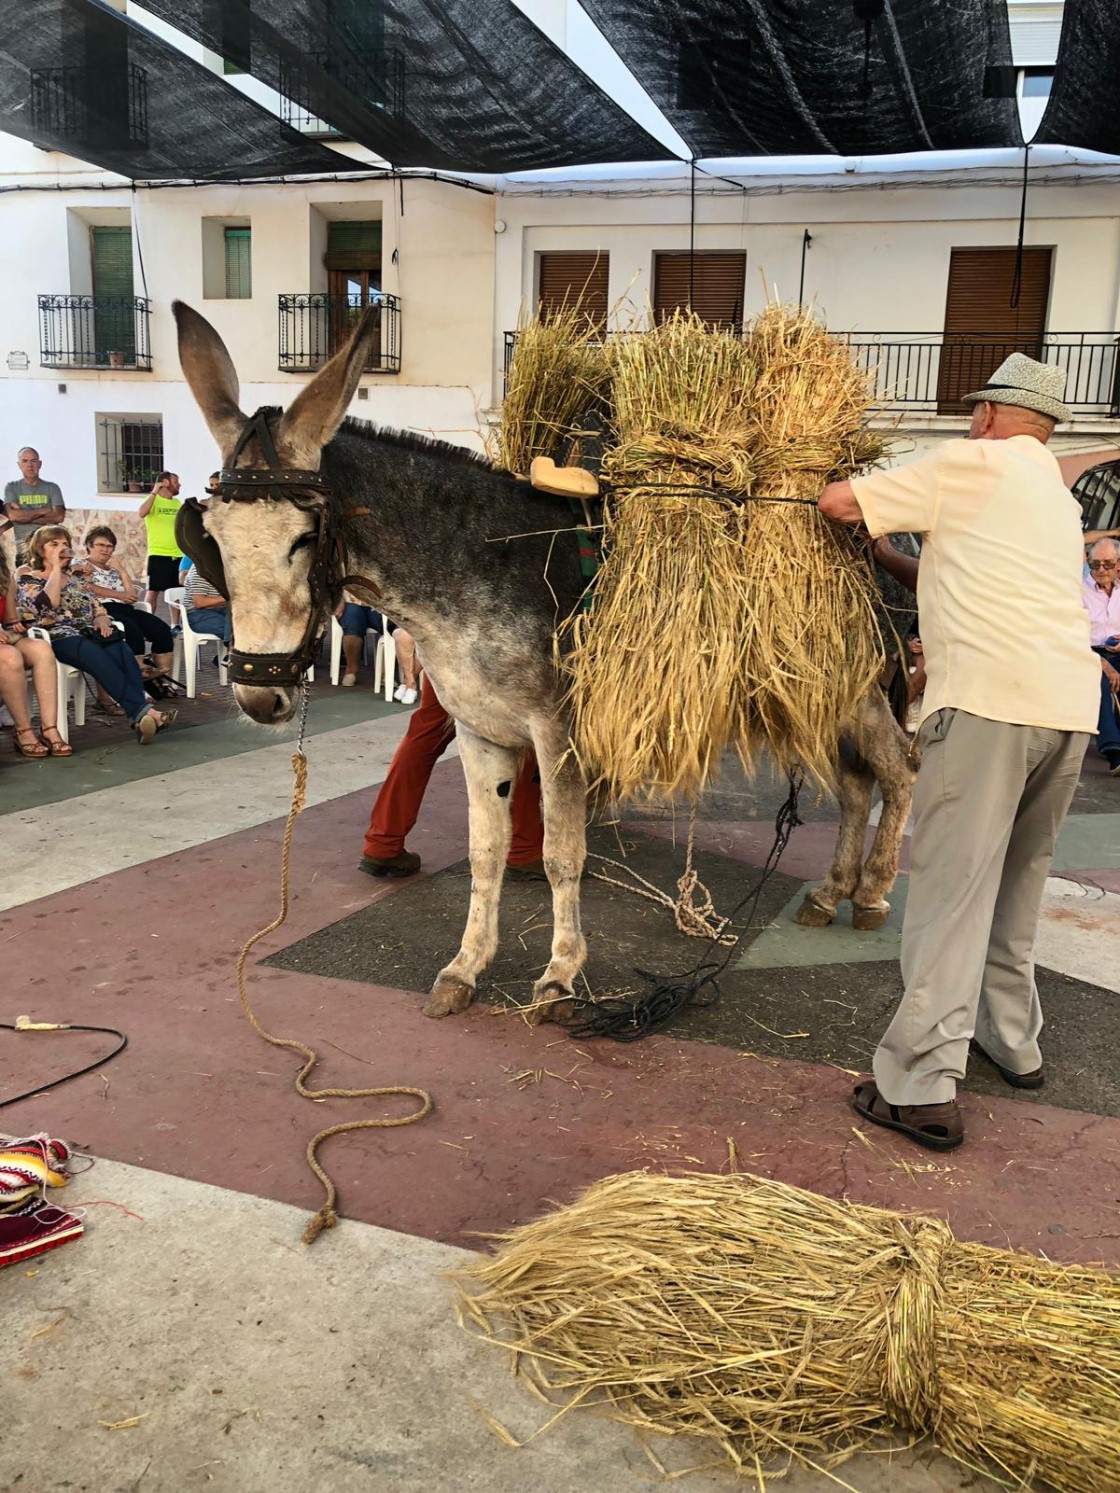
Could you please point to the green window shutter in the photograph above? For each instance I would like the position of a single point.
(239, 264)
(112, 261)
(353, 246)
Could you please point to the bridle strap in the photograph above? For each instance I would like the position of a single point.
(272, 474)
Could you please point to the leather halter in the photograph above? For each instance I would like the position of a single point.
(310, 492)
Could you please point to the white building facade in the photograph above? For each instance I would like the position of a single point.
(910, 258)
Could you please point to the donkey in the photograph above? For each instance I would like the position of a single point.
(480, 570)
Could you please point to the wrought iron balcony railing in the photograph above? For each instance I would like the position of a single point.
(89, 331)
(930, 371)
(105, 105)
(376, 79)
(313, 325)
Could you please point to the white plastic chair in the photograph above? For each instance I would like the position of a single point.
(71, 685)
(188, 643)
(384, 655)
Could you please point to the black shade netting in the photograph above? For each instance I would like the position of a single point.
(1083, 108)
(79, 77)
(809, 77)
(457, 85)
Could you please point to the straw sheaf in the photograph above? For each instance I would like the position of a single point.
(785, 1327)
(558, 377)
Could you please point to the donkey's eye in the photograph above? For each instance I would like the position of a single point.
(302, 543)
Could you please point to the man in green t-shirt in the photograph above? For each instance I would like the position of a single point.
(32, 503)
(158, 511)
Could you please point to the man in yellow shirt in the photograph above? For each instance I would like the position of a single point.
(158, 511)
(1009, 706)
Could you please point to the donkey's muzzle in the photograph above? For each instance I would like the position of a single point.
(268, 705)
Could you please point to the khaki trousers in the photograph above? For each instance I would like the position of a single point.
(988, 804)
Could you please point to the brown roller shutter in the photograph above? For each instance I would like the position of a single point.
(717, 281)
(981, 325)
(570, 278)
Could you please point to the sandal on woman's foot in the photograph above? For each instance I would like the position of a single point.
(167, 718)
(107, 707)
(27, 743)
(146, 728)
(52, 736)
(938, 1127)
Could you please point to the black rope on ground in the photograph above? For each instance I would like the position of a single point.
(45, 1088)
(630, 1021)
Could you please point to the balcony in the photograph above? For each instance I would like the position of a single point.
(916, 371)
(928, 371)
(314, 325)
(376, 79)
(88, 331)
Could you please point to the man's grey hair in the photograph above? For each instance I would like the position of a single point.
(1095, 546)
(23, 450)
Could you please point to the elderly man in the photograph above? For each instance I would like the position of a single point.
(30, 503)
(1010, 702)
(1102, 602)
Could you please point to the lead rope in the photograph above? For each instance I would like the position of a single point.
(694, 918)
(327, 1216)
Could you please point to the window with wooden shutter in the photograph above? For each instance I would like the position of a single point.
(712, 282)
(114, 320)
(982, 327)
(238, 244)
(567, 279)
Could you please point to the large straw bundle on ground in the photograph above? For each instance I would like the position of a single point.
(656, 665)
(811, 645)
(786, 1327)
(558, 375)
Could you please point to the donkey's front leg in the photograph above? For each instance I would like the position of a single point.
(564, 801)
(490, 772)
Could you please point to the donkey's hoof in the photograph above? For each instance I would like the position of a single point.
(812, 914)
(449, 996)
(552, 1001)
(867, 919)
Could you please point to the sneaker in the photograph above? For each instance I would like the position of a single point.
(408, 696)
(30, 1234)
(349, 681)
(398, 693)
(404, 863)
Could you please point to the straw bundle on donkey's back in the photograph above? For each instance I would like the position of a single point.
(785, 1327)
(728, 612)
(656, 664)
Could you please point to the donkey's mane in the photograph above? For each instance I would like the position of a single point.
(410, 440)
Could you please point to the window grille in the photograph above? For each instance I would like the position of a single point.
(239, 264)
(130, 450)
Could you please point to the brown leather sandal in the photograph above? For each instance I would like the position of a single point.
(1032, 1080)
(55, 744)
(33, 748)
(938, 1127)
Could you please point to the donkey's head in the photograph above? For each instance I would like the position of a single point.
(263, 542)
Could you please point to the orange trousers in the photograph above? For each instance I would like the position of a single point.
(397, 805)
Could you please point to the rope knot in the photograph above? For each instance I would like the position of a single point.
(911, 1383)
(326, 1218)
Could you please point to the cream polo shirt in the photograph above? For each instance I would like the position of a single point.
(1003, 621)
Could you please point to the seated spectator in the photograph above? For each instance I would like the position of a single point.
(108, 580)
(207, 609)
(356, 620)
(17, 654)
(80, 629)
(1102, 601)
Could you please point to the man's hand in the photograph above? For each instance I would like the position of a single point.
(1112, 676)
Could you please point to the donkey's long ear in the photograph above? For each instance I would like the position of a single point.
(312, 419)
(208, 369)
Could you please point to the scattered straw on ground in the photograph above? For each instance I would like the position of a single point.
(787, 1328)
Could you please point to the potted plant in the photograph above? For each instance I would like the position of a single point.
(136, 481)
(116, 359)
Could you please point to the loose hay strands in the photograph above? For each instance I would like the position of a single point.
(811, 643)
(786, 1327)
(558, 376)
(654, 664)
